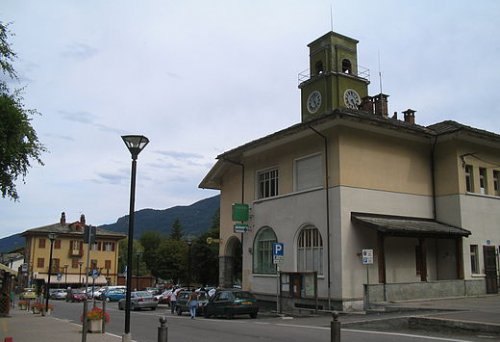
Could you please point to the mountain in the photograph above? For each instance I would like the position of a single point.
(195, 219)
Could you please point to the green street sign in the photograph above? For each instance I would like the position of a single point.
(240, 212)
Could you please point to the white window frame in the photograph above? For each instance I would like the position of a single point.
(469, 178)
(474, 259)
(272, 178)
(310, 250)
(483, 181)
(263, 252)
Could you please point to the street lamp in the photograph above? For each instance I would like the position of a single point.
(52, 238)
(189, 243)
(135, 144)
(80, 263)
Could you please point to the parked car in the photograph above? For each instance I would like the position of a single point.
(230, 302)
(77, 295)
(139, 300)
(153, 290)
(164, 297)
(28, 293)
(59, 294)
(182, 304)
(99, 294)
(114, 295)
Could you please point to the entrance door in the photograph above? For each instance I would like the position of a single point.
(490, 269)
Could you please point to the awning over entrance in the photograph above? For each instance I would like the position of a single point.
(7, 269)
(408, 226)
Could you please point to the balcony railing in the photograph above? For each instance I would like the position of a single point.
(362, 73)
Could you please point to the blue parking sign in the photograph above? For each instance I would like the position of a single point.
(278, 249)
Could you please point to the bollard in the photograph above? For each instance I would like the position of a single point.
(163, 330)
(335, 327)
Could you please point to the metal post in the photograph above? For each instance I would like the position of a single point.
(163, 330)
(104, 320)
(84, 320)
(335, 327)
(127, 336)
(52, 238)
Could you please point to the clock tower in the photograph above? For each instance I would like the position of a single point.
(334, 79)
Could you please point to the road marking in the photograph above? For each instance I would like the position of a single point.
(405, 335)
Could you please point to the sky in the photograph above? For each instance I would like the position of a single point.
(198, 78)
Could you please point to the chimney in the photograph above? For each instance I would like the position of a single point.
(367, 104)
(63, 219)
(82, 219)
(381, 104)
(409, 116)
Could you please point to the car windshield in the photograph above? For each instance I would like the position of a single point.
(243, 295)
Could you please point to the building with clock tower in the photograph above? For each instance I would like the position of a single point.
(334, 79)
(367, 208)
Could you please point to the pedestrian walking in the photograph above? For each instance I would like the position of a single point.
(193, 303)
(173, 301)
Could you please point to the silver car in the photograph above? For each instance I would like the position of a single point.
(139, 300)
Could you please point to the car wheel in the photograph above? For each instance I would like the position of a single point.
(153, 308)
(132, 307)
(120, 307)
(179, 311)
(229, 314)
(253, 315)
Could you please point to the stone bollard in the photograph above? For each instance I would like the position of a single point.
(335, 327)
(163, 330)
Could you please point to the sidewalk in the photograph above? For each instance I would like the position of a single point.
(22, 326)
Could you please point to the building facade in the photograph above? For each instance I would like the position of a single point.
(369, 208)
(70, 254)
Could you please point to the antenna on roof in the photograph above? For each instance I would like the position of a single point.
(331, 16)
(379, 72)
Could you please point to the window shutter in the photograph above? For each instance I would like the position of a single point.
(112, 246)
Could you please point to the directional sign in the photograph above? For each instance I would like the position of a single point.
(278, 249)
(241, 228)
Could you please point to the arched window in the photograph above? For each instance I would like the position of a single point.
(263, 251)
(318, 68)
(346, 66)
(310, 250)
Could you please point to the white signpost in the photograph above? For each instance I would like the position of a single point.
(278, 258)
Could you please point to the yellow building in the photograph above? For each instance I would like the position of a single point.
(70, 254)
(367, 207)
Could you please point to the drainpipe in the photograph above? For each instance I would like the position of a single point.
(433, 178)
(327, 215)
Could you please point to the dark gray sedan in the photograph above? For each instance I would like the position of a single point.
(139, 300)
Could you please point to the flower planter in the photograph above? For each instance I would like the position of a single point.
(94, 325)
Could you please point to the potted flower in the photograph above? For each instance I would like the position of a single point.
(23, 304)
(95, 318)
(39, 307)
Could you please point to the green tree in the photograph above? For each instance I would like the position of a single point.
(176, 233)
(205, 256)
(19, 143)
(151, 241)
(172, 260)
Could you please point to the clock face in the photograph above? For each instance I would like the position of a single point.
(352, 99)
(314, 102)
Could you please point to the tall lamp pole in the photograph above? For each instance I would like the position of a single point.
(189, 242)
(52, 238)
(80, 263)
(135, 144)
(138, 255)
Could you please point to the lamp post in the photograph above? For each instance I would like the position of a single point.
(66, 275)
(135, 144)
(80, 263)
(52, 238)
(189, 243)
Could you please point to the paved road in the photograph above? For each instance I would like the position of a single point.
(264, 329)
